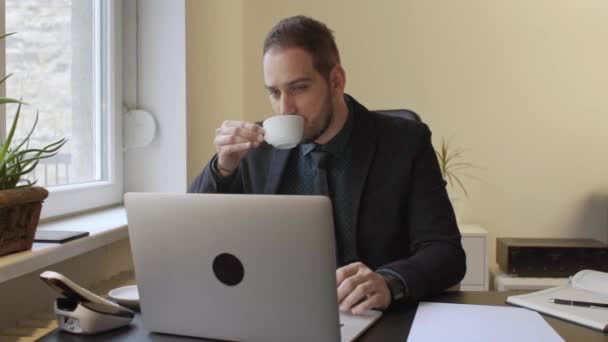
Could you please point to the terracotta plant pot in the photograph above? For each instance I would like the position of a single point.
(19, 215)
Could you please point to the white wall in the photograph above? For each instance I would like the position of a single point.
(161, 90)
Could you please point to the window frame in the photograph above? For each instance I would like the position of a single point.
(69, 199)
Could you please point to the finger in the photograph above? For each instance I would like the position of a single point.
(240, 132)
(349, 285)
(222, 140)
(371, 302)
(359, 294)
(243, 124)
(347, 271)
(236, 148)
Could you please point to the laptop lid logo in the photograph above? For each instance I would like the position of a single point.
(228, 269)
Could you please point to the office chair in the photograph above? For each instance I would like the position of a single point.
(401, 113)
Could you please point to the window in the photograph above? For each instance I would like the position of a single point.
(64, 59)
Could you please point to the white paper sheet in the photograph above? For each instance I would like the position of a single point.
(467, 322)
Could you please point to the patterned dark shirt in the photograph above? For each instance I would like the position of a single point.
(299, 177)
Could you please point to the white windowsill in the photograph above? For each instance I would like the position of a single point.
(104, 226)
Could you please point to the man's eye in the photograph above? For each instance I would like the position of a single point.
(273, 93)
(299, 88)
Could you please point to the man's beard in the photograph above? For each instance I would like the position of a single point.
(326, 116)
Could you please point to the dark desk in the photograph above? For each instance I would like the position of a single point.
(393, 326)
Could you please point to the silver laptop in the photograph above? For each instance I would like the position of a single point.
(238, 267)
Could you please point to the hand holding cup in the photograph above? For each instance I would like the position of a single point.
(233, 140)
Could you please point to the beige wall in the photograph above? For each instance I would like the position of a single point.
(214, 72)
(522, 84)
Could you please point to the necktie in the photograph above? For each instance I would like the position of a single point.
(319, 163)
(345, 239)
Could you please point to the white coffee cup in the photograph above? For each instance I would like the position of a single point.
(284, 131)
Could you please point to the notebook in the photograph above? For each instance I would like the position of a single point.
(585, 285)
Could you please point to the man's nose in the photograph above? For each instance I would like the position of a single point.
(286, 105)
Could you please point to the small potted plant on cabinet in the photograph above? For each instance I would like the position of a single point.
(453, 169)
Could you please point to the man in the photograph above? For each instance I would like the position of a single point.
(396, 235)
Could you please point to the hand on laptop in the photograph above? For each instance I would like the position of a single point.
(233, 140)
(361, 289)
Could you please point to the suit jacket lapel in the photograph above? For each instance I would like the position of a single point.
(278, 162)
(363, 140)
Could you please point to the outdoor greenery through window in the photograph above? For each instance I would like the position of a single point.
(54, 60)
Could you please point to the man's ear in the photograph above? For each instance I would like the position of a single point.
(337, 79)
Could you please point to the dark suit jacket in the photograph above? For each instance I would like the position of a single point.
(404, 219)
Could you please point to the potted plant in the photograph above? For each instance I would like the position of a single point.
(453, 169)
(20, 200)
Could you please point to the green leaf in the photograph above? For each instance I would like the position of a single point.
(466, 194)
(7, 35)
(452, 166)
(5, 78)
(5, 100)
(27, 138)
(51, 148)
(28, 170)
(9, 138)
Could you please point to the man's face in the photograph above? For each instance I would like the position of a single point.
(296, 87)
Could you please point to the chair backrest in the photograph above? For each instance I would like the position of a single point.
(401, 113)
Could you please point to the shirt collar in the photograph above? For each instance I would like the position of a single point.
(307, 148)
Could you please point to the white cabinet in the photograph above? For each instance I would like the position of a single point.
(475, 244)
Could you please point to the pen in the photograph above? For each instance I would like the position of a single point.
(579, 303)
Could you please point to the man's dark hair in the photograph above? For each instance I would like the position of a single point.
(308, 34)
